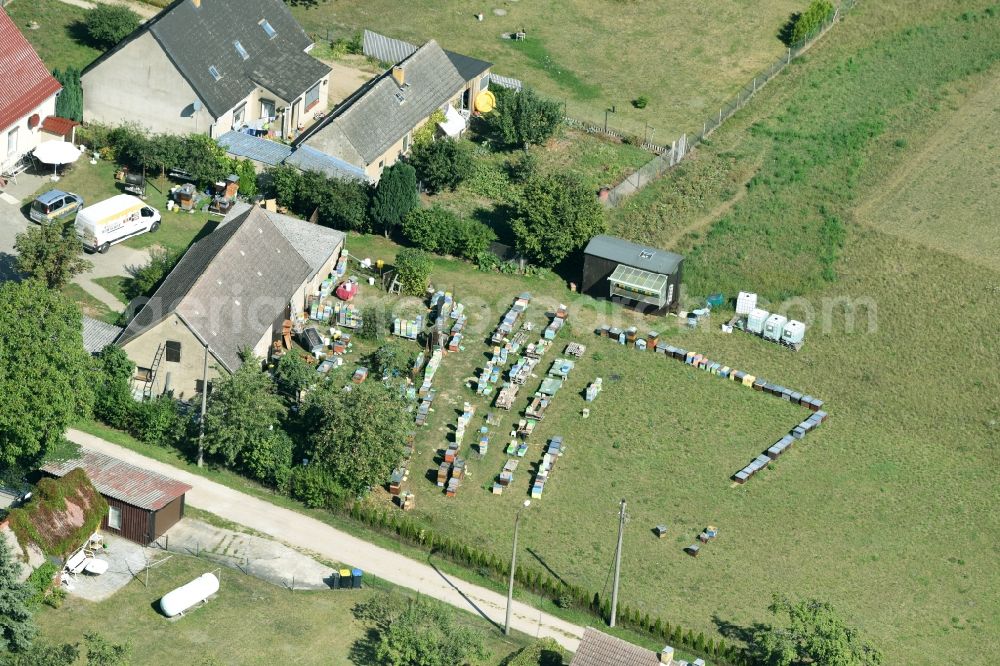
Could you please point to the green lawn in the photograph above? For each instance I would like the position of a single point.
(248, 622)
(61, 38)
(687, 57)
(115, 285)
(89, 305)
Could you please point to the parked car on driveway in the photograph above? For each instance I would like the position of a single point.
(113, 220)
(55, 205)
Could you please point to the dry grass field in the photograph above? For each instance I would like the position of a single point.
(686, 57)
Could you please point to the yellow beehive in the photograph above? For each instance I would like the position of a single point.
(748, 380)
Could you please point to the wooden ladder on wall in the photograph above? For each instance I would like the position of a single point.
(147, 388)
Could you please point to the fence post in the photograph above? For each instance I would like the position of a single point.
(789, 55)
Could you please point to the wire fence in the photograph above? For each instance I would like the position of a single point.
(669, 158)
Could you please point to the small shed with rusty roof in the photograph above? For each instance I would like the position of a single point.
(142, 505)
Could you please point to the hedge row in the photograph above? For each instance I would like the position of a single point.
(562, 594)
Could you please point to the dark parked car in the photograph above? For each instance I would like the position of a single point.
(55, 205)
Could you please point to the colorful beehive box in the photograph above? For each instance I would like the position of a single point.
(748, 380)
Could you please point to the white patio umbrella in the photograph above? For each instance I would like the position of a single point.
(56, 153)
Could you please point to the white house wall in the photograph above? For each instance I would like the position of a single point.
(139, 84)
(27, 139)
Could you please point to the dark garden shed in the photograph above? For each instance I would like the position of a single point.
(641, 277)
(142, 505)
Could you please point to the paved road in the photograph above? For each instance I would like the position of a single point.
(302, 531)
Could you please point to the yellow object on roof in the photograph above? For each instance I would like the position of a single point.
(486, 101)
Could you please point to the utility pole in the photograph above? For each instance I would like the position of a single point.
(618, 564)
(204, 401)
(513, 564)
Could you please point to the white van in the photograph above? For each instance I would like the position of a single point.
(111, 221)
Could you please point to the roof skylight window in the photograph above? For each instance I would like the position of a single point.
(239, 49)
(268, 29)
(214, 72)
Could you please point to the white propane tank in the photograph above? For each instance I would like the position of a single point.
(184, 597)
(756, 319)
(774, 327)
(794, 333)
(745, 303)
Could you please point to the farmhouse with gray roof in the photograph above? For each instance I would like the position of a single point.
(209, 66)
(373, 128)
(232, 290)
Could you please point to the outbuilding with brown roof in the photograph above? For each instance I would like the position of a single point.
(142, 504)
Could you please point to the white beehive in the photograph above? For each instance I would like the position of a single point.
(774, 327)
(746, 302)
(794, 333)
(756, 319)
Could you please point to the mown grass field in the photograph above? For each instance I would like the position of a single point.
(686, 57)
(947, 194)
(248, 622)
(887, 512)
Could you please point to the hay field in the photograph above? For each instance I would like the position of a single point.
(687, 57)
(946, 192)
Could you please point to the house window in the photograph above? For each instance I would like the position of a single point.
(268, 29)
(214, 72)
(12, 142)
(267, 108)
(239, 49)
(406, 142)
(238, 115)
(312, 97)
(173, 351)
(114, 518)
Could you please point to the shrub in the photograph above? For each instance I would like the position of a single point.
(374, 323)
(439, 230)
(157, 421)
(443, 164)
(69, 103)
(424, 134)
(809, 21)
(414, 267)
(248, 177)
(146, 279)
(640, 102)
(525, 168)
(391, 359)
(312, 486)
(109, 24)
(522, 118)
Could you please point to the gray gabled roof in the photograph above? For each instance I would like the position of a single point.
(626, 252)
(229, 287)
(97, 334)
(197, 38)
(362, 130)
(314, 242)
(254, 148)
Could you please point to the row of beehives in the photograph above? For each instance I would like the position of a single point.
(779, 447)
(702, 362)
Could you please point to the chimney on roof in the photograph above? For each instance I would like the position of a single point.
(667, 655)
(399, 76)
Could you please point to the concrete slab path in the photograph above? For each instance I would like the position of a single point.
(312, 535)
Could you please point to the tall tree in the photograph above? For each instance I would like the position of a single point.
(113, 402)
(556, 216)
(69, 103)
(522, 118)
(414, 268)
(357, 436)
(243, 423)
(394, 197)
(51, 253)
(17, 627)
(293, 375)
(814, 633)
(45, 373)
